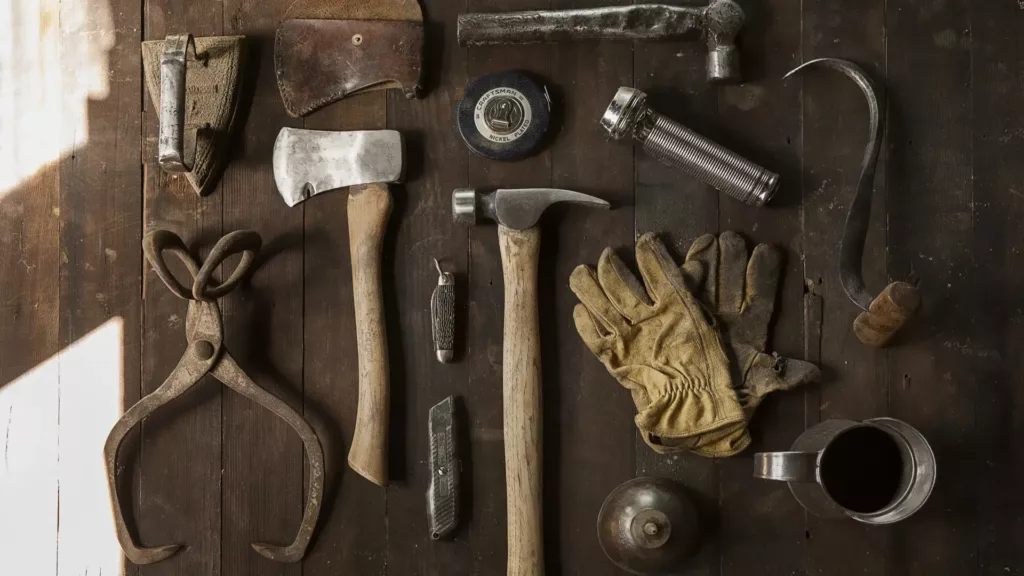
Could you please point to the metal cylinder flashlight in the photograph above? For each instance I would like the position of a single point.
(675, 145)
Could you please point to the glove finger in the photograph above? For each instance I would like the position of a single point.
(693, 274)
(622, 288)
(733, 272)
(584, 284)
(590, 331)
(661, 275)
(704, 252)
(798, 373)
(763, 273)
(770, 374)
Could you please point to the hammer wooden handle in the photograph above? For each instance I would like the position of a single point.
(368, 210)
(520, 251)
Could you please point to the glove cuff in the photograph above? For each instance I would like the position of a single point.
(682, 419)
(731, 445)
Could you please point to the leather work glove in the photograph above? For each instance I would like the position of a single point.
(658, 343)
(741, 294)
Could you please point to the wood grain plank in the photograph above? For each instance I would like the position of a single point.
(100, 275)
(930, 237)
(997, 65)
(29, 305)
(422, 229)
(679, 209)
(583, 402)
(762, 527)
(263, 475)
(180, 494)
(486, 305)
(835, 131)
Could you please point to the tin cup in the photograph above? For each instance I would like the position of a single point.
(878, 471)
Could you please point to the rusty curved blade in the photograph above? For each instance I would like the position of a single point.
(319, 62)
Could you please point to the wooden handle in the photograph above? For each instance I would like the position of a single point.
(520, 251)
(368, 210)
(887, 314)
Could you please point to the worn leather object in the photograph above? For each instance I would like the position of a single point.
(657, 342)
(740, 289)
(386, 56)
(212, 91)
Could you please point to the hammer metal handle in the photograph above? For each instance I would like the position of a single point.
(637, 22)
(521, 377)
(368, 210)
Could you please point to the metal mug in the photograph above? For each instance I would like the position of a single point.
(878, 471)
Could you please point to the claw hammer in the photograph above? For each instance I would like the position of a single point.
(517, 213)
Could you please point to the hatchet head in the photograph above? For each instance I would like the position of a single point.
(308, 162)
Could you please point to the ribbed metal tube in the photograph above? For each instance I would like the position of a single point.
(673, 144)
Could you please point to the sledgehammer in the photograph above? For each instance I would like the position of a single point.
(717, 24)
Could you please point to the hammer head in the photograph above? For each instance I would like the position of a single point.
(722, 22)
(516, 209)
(308, 162)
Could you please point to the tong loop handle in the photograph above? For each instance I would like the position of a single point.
(153, 246)
(244, 242)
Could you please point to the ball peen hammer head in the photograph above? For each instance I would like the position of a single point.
(518, 209)
(308, 162)
(722, 22)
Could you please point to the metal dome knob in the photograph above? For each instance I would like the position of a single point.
(648, 526)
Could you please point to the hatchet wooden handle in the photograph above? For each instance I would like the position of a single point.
(520, 250)
(368, 210)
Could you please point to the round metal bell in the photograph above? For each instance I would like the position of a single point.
(648, 526)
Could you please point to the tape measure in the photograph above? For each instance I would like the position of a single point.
(505, 116)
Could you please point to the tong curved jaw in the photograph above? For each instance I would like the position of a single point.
(206, 354)
(228, 372)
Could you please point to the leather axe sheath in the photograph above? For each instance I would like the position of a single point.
(326, 50)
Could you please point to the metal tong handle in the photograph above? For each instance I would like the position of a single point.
(173, 64)
(246, 242)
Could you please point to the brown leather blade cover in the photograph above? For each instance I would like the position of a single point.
(321, 61)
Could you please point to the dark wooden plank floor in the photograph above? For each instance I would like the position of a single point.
(216, 472)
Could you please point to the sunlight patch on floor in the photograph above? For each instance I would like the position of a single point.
(53, 61)
(54, 505)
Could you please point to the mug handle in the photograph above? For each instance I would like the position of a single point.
(786, 466)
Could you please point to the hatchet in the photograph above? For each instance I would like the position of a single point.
(308, 162)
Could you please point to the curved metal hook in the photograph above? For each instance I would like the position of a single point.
(851, 250)
(885, 314)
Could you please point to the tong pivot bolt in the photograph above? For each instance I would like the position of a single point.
(203, 349)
